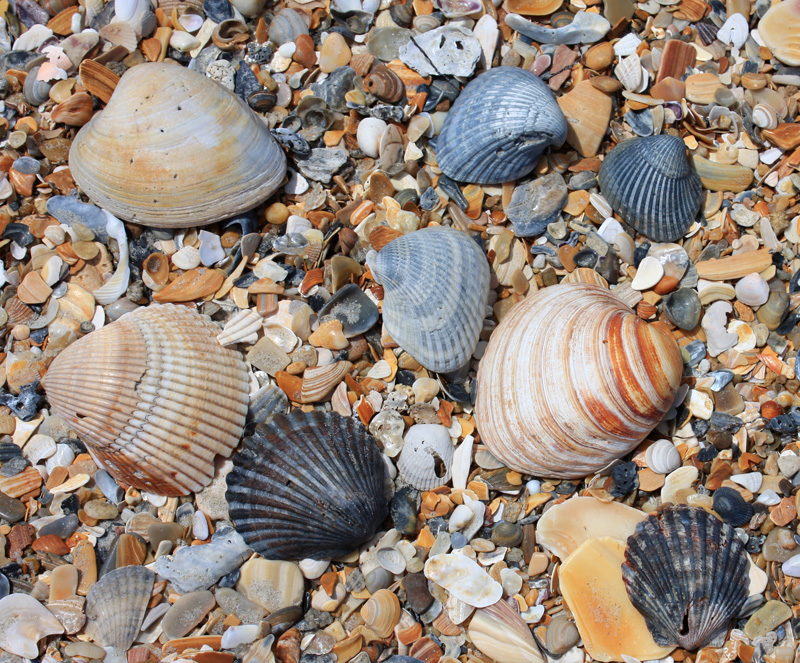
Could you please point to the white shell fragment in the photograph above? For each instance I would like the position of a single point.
(427, 456)
(586, 28)
(23, 622)
(464, 579)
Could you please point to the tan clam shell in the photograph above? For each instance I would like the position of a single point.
(154, 396)
(175, 149)
(382, 612)
(499, 632)
(572, 379)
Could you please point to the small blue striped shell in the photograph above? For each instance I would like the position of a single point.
(652, 185)
(498, 127)
(436, 285)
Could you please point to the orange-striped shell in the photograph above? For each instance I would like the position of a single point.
(154, 397)
(572, 379)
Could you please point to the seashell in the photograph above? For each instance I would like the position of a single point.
(427, 456)
(662, 457)
(702, 563)
(307, 485)
(722, 177)
(384, 84)
(572, 379)
(37, 92)
(532, 7)
(764, 116)
(120, 33)
(127, 161)
(117, 285)
(432, 313)
(585, 28)
(463, 579)
(24, 622)
(779, 29)
(652, 185)
(76, 111)
(287, 25)
(115, 606)
(353, 308)
(501, 634)
(241, 328)
(752, 290)
(382, 612)
(154, 397)
(319, 382)
(498, 127)
(564, 527)
(53, 7)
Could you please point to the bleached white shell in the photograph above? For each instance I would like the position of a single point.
(242, 327)
(427, 447)
(23, 622)
(115, 606)
(464, 579)
(752, 290)
(750, 480)
(662, 457)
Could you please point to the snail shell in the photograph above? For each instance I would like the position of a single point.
(384, 84)
(154, 396)
(436, 285)
(572, 379)
(498, 127)
(36, 92)
(652, 185)
(704, 565)
(146, 157)
(307, 485)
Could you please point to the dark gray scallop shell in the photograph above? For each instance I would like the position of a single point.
(497, 128)
(652, 185)
(687, 573)
(308, 485)
(436, 285)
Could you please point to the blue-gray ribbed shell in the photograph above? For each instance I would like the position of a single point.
(652, 185)
(497, 128)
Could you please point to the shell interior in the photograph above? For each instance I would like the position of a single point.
(498, 127)
(652, 185)
(436, 285)
(687, 573)
(307, 485)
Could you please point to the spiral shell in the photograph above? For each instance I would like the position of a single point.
(154, 396)
(384, 84)
(652, 185)
(307, 485)
(572, 379)
(145, 158)
(687, 573)
(497, 128)
(436, 285)
(115, 606)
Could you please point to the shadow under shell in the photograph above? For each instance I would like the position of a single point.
(308, 485)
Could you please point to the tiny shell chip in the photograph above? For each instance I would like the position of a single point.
(23, 622)
(780, 31)
(427, 456)
(498, 127)
(564, 527)
(464, 579)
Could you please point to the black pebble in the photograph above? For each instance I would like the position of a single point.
(625, 479)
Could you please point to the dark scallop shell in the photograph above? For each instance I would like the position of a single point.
(308, 485)
(652, 185)
(687, 573)
(497, 128)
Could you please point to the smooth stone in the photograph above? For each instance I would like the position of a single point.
(615, 10)
(586, 28)
(536, 204)
(773, 311)
(115, 310)
(767, 618)
(449, 50)
(232, 602)
(418, 595)
(108, 486)
(11, 509)
(333, 53)
(101, 510)
(186, 613)
(789, 464)
(69, 210)
(353, 308)
(62, 528)
(791, 567)
(198, 567)
(683, 308)
(378, 578)
(779, 545)
(385, 43)
(561, 635)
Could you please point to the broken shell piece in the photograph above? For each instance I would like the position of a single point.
(23, 622)
(502, 635)
(427, 456)
(592, 587)
(780, 30)
(564, 527)
(464, 579)
(241, 328)
(586, 28)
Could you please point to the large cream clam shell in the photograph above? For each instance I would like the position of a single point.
(572, 379)
(154, 396)
(175, 149)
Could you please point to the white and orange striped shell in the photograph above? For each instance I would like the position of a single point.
(154, 397)
(572, 379)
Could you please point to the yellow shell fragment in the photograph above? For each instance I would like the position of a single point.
(780, 31)
(591, 583)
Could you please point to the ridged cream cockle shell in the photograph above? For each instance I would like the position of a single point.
(436, 285)
(572, 379)
(154, 396)
(175, 149)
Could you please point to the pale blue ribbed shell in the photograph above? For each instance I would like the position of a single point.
(436, 285)
(498, 127)
(651, 184)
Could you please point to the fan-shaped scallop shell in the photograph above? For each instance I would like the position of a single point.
(115, 606)
(498, 127)
(687, 573)
(436, 285)
(652, 185)
(154, 396)
(175, 149)
(572, 379)
(307, 485)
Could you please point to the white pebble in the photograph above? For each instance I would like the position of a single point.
(199, 526)
(461, 517)
(752, 290)
(187, 258)
(369, 134)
